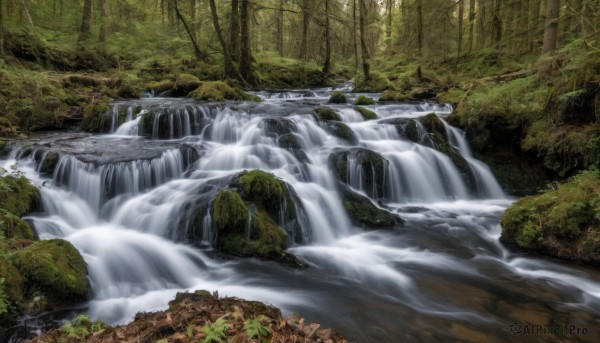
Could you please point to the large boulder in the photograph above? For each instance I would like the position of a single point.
(17, 195)
(359, 166)
(364, 213)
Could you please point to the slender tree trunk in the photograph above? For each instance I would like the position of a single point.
(551, 27)
(193, 18)
(534, 20)
(388, 24)
(461, 14)
(496, 24)
(354, 35)
(405, 18)
(245, 49)
(420, 26)
(471, 24)
(103, 5)
(162, 11)
(305, 22)
(481, 24)
(175, 8)
(86, 21)
(227, 63)
(363, 44)
(234, 30)
(25, 11)
(327, 64)
(280, 29)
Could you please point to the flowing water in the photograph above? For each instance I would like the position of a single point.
(130, 200)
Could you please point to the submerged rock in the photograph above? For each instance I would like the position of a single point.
(327, 114)
(364, 100)
(361, 167)
(342, 131)
(337, 97)
(563, 223)
(365, 113)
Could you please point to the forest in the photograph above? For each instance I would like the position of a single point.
(350, 161)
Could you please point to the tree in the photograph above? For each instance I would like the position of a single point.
(234, 30)
(305, 22)
(86, 21)
(363, 44)
(245, 49)
(388, 24)
(551, 27)
(461, 9)
(1, 28)
(227, 63)
(280, 29)
(420, 25)
(197, 51)
(103, 5)
(327, 64)
(471, 24)
(354, 35)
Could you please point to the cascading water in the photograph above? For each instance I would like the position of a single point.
(129, 200)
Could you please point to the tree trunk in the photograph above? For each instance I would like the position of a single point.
(534, 19)
(193, 18)
(481, 24)
(471, 24)
(197, 51)
(245, 50)
(25, 11)
(388, 25)
(496, 24)
(86, 21)
(327, 64)
(551, 27)
(461, 14)
(420, 26)
(234, 30)
(354, 35)
(305, 22)
(103, 5)
(363, 44)
(1, 28)
(280, 29)
(227, 63)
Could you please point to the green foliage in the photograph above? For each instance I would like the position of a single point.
(215, 332)
(564, 221)
(4, 300)
(326, 113)
(394, 96)
(255, 329)
(366, 114)
(220, 91)
(12, 226)
(17, 195)
(185, 84)
(337, 97)
(262, 188)
(377, 83)
(364, 100)
(95, 117)
(54, 266)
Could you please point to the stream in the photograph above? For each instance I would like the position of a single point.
(128, 200)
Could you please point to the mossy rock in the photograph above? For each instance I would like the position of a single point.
(342, 131)
(291, 143)
(377, 83)
(372, 165)
(388, 96)
(185, 84)
(160, 87)
(364, 100)
(55, 267)
(363, 213)
(128, 91)
(229, 213)
(3, 151)
(95, 117)
(274, 127)
(13, 285)
(14, 227)
(407, 128)
(433, 124)
(365, 113)
(563, 222)
(46, 161)
(266, 191)
(337, 97)
(220, 91)
(326, 113)
(422, 93)
(17, 195)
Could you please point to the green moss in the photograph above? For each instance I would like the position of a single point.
(276, 72)
(342, 131)
(229, 212)
(394, 96)
(17, 195)
(13, 284)
(337, 97)
(128, 91)
(422, 93)
(326, 113)
(94, 116)
(220, 91)
(185, 84)
(12, 226)
(563, 222)
(159, 87)
(364, 100)
(54, 266)
(263, 189)
(366, 114)
(377, 83)
(452, 96)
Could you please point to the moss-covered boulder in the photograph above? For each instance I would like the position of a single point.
(266, 191)
(46, 161)
(17, 195)
(342, 131)
(185, 84)
(369, 165)
(230, 214)
(422, 93)
(13, 284)
(407, 128)
(394, 96)
(364, 100)
(364, 213)
(326, 113)
(365, 113)
(128, 91)
(54, 267)
(291, 143)
(159, 87)
(377, 83)
(220, 91)
(337, 97)
(12, 226)
(95, 118)
(563, 222)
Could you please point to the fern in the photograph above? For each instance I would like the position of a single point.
(74, 331)
(97, 326)
(255, 329)
(215, 332)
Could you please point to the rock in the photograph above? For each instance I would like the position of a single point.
(46, 161)
(220, 91)
(326, 113)
(17, 195)
(185, 84)
(363, 213)
(160, 87)
(54, 267)
(372, 165)
(341, 131)
(95, 118)
(14, 227)
(366, 114)
(363, 100)
(423, 93)
(128, 91)
(337, 97)
(563, 223)
(394, 96)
